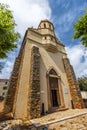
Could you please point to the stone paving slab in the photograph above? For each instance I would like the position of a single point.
(58, 116)
(56, 121)
(77, 123)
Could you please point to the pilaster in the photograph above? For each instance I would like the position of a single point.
(35, 84)
(73, 85)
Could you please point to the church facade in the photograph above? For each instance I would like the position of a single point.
(42, 80)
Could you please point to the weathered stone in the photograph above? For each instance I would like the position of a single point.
(35, 84)
(74, 88)
(13, 84)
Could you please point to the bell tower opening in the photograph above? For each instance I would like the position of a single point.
(44, 25)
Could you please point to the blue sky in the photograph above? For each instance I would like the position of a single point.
(63, 14)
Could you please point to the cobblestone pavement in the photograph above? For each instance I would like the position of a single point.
(78, 123)
(58, 121)
(59, 115)
(72, 119)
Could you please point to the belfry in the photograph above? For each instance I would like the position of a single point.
(42, 80)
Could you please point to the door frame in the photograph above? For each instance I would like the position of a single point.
(60, 98)
(53, 97)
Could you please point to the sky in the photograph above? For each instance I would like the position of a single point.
(63, 14)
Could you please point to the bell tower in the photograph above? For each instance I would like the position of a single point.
(45, 24)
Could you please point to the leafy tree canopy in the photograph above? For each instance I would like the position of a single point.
(83, 83)
(8, 36)
(80, 29)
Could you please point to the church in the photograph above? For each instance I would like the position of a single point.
(42, 80)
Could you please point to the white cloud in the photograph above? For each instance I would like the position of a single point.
(78, 58)
(7, 69)
(8, 64)
(28, 13)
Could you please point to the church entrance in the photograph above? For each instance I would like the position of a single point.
(55, 94)
(53, 82)
(54, 90)
(54, 98)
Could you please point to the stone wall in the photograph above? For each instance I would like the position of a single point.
(77, 101)
(34, 96)
(10, 100)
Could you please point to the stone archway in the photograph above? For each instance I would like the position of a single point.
(55, 95)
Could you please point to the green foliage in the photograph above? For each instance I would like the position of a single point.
(8, 36)
(80, 29)
(82, 83)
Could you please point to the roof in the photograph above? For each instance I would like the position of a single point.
(46, 20)
(3, 80)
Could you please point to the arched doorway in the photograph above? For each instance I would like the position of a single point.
(54, 90)
(55, 95)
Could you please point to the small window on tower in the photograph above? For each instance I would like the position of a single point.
(45, 38)
(51, 38)
(44, 25)
(49, 26)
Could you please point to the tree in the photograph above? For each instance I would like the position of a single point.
(80, 29)
(8, 36)
(83, 83)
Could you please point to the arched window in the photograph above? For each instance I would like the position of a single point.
(52, 71)
(45, 38)
(51, 38)
(44, 25)
(49, 26)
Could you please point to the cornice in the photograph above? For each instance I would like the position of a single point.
(43, 44)
(58, 42)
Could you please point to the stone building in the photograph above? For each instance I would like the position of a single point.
(3, 87)
(84, 97)
(43, 79)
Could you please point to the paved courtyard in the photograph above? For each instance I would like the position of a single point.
(72, 119)
(78, 123)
